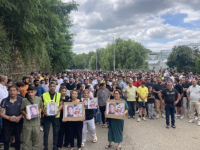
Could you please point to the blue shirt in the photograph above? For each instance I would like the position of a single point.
(40, 91)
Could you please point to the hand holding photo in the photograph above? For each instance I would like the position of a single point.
(92, 103)
(32, 111)
(51, 109)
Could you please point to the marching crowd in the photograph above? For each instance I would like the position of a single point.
(167, 92)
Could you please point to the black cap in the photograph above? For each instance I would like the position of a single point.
(30, 88)
(91, 78)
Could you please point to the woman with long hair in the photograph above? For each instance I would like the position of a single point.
(116, 126)
(63, 125)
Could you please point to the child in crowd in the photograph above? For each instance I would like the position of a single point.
(151, 101)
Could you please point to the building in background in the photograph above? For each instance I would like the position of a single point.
(158, 60)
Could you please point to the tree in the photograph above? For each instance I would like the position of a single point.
(39, 29)
(181, 57)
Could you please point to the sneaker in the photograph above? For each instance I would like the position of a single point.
(41, 129)
(191, 121)
(198, 123)
(143, 118)
(82, 144)
(152, 118)
(181, 117)
(196, 118)
(129, 117)
(163, 116)
(157, 116)
(173, 126)
(133, 117)
(176, 116)
(139, 119)
(167, 126)
(137, 112)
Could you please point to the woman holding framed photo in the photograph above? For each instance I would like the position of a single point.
(75, 127)
(116, 126)
(88, 124)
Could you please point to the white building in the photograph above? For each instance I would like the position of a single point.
(158, 60)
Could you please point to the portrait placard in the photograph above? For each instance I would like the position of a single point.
(115, 109)
(32, 111)
(73, 111)
(51, 109)
(90, 103)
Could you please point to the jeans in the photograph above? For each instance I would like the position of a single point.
(56, 126)
(131, 108)
(97, 115)
(151, 109)
(170, 110)
(103, 109)
(8, 128)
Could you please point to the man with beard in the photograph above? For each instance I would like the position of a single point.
(71, 85)
(26, 82)
(186, 106)
(159, 105)
(39, 88)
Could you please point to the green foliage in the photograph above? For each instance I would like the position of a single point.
(40, 30)
(182, 57)
(128, 55)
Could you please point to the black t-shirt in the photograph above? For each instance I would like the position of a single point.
(63, 101)
(158, 87)
(150, 100)
(169, 96)
(179, 88)
(186, 85)
(12, 109)
(70, 86)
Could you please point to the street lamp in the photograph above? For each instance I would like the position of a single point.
(114, 53)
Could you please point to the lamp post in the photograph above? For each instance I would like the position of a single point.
(114, 53)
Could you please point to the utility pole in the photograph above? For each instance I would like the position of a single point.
(114, 53)
(96, 59)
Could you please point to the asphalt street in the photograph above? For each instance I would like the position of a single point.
(147, 135)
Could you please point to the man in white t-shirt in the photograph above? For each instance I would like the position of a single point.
(193, 95)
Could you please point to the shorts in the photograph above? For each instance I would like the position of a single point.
(142, 104)
(180, 103)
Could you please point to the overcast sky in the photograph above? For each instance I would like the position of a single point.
(157, 24)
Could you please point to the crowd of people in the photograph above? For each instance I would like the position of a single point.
(150, 94)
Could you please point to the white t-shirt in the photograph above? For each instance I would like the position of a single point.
(3, 92)
(60, 81)
(194, 93)
(45, 87)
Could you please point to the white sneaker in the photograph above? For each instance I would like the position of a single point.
(143, 118)
(138, 120)
(82, 144)
(41, 129)
(176, 116)
(196, 118)
(157, 116)
(137, 112)
(181, 117)
(191, 121)
(198, 123)
(163, 116)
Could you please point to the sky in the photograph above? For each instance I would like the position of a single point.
(157, 24)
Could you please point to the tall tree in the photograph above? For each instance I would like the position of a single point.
(181, 57)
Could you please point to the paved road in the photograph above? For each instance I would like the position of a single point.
(148, 135)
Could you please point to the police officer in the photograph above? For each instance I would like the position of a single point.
(51, 97)
(12, 119)
(31, 127)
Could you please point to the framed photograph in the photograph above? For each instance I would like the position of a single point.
(115, 109)
(73, 111)
(90, 103)
(51, 109)
(85, 101)
(32, 111)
